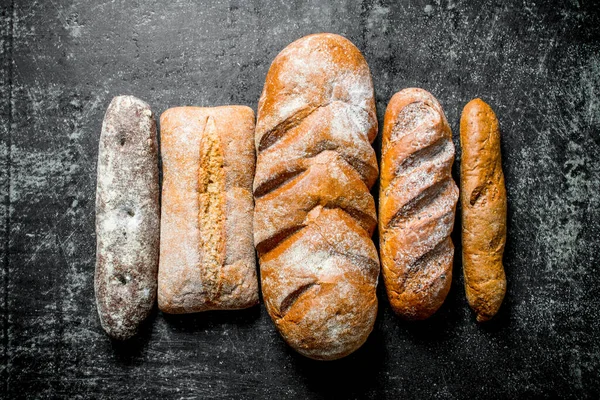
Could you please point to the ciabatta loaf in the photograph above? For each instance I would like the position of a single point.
(207, 259)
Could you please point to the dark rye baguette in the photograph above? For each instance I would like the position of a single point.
(417, 204)
(207, 259)
(127, 217)
(314, 215)
(483, 201)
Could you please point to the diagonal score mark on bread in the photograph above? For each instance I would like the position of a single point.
(314, 215)
(294, 120)
(329, 182)
(420, 203)
(417, 204)
(333, 128)
(369, 265)
(291, 298)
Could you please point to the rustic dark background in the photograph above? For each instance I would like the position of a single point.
(537, 64)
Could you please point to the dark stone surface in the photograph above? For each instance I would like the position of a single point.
(536, 63)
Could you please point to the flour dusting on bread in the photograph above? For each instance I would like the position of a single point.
(127, 217)
(207, 258)
(417, 204)
(314, 215)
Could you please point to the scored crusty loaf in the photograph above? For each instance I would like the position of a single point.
(483, 201)
(314, 215)
(417, 204)
(127, 217)
(207, 259)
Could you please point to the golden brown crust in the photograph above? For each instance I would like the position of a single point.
(417, 204)
(207, 257)
(483, 201)
(314, 214)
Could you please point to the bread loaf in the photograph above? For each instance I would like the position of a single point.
(207, 259)
(417, 204)
(483, 201)
(314, 215)
(127, 217)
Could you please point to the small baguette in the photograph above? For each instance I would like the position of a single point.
(483, 202)
(127, 217)
(417, 204)
(207, 259)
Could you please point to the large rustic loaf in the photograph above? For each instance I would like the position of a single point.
(417, 204)
(207, 259)
(483, 201)
(127, 217)
(314, 215)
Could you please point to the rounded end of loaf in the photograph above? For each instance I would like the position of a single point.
(411, 95)
(323, 300)
(329, 327)
(126, 100)
(120, 320)
(475, 113)
(482, 317)
(408, 107)
(477, 105)
(121, 333)
(123, 115)
(322, 36)
(320, 285)
(485, 299)
(329, 68)
(417, 291)
(418, 305)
